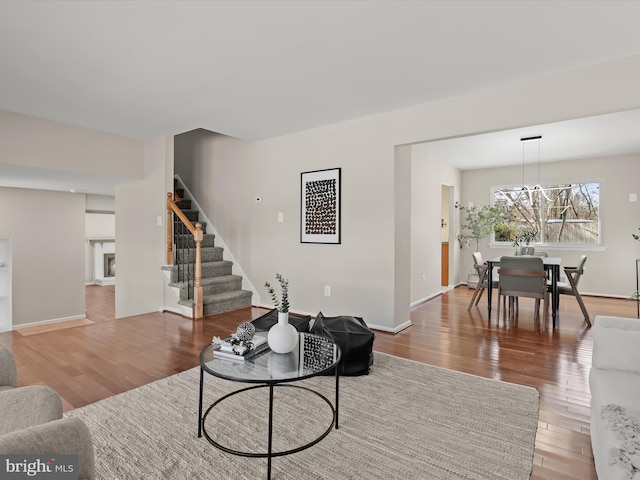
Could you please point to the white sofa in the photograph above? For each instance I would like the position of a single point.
(614, 380)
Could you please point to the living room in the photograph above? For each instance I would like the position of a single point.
(371, 271)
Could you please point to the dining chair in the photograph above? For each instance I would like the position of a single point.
(481, 267)
(522, 276)
(570, 287)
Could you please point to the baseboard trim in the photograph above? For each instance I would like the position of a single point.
(46, 322)
(372, 326)
(271, 307)
(424, 300)
(183, 311)
(393, 330)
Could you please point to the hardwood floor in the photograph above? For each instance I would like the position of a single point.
(90, 362)
(100, 302)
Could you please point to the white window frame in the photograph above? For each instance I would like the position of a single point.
(599, 246)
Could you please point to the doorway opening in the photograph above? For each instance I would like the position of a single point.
(447, 196)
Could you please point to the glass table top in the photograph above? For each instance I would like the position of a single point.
(312, 356)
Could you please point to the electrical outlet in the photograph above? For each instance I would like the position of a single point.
(280, 217)
(327, 290)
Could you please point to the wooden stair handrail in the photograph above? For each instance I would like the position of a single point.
(198, 235)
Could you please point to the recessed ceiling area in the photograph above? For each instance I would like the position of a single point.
(598, 136)
(17, 176)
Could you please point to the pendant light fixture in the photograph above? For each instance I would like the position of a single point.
(536, 187)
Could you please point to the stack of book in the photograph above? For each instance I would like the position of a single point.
(231, 348)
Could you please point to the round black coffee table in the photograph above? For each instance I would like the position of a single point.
(313, 356)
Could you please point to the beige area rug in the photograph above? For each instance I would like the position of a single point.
(405, 420)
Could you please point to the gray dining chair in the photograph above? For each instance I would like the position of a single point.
(483, 282)
(570, 287)
(522, 276)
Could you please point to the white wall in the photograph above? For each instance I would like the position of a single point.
(191, 146)
(608, 272)
(101, 203)
(140, 241)
(367, 271)
(427, 178)
(47, 229)
(34, 142)
(39, 216)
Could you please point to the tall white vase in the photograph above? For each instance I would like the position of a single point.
(282, 337)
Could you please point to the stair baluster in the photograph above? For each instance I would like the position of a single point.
(187, 257)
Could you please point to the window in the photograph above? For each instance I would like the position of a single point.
(567, 214)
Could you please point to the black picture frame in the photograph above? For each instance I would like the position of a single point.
(320, 204)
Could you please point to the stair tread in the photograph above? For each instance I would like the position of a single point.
(218, 297)
(178, 222)
(211, 280)
(189, 235)
(225, 295)
(214, 262)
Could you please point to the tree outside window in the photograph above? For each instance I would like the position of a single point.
(566, 214)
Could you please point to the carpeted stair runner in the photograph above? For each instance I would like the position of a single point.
(222, 291)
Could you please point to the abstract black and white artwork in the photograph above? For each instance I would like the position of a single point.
(320, 206)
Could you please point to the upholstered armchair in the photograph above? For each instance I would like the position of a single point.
(31, 422)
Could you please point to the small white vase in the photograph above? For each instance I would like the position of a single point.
(282, 337)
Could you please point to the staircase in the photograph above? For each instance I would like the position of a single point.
(222, 291)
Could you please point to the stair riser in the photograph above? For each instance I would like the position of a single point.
(181, 228)
(213, 289)
(210, 254)
(227, 305)
(208, 240)
(191, 215)
(217, 269)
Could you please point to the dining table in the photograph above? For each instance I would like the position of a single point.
(551, 265)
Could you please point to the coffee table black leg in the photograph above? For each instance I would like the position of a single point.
(337, 384)
(270, 449)
(200, 404)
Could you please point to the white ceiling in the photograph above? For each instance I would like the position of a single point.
(592, 137)
(257, 69)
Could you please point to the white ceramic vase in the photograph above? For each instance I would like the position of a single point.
(282, 337)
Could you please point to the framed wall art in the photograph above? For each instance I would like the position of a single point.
(320, 206)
